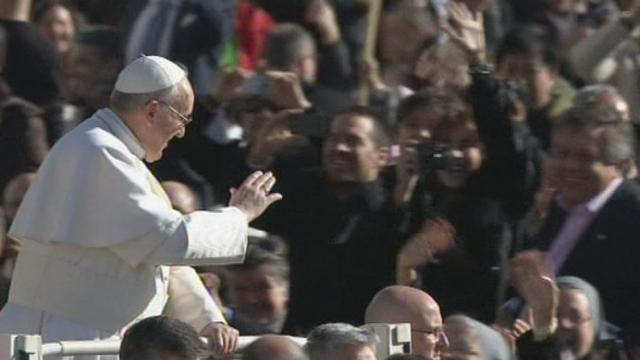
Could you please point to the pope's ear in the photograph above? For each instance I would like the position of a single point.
(150, 110)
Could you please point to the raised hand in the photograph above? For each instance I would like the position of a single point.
(466, 29)
(272, 137)
(533, 281)
(322, 16)
(253, 197)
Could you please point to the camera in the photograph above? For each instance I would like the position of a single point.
(432, 155)
(256, 86)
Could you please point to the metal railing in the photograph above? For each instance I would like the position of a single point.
(30, 347)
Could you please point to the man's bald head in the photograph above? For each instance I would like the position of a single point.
(182, 197)
(396, 304)
(403, 304)
(273, 347)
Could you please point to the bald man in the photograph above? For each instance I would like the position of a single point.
(181, 196)
(274, 347)
(403, 304)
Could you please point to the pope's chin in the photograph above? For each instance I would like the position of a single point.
(153, 156)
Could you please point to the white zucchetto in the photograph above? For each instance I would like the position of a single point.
(147, 74)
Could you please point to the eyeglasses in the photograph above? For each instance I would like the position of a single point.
(184, 119)
(437, 332)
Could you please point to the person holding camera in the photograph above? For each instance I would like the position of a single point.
(258, 107)
(464, 199)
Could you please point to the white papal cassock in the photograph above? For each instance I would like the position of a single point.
(101, 246)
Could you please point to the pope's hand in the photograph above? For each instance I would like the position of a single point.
(223, 339)
(253, 197)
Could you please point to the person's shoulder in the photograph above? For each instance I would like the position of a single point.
(91, 139)
(626, 197)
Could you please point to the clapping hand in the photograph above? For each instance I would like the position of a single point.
(436, 237)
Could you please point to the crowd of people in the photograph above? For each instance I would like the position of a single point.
(470, 170)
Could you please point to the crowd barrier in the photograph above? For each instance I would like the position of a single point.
(391, 339)
(30, 347)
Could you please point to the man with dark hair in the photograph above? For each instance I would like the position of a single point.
(324, 68)
(291, 48)
(162, 338)
(338, 222)
(258, 288)
(527, 58)
(590, 229)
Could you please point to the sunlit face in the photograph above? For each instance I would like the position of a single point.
(465, 155)
(165, 123)
(532, 74)
(426, 335)
(575, 165)
(258, 294)
(576, 331)
(350, 153)
(58, 28)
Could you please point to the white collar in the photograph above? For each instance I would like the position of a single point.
(597, 202)
(121, 131)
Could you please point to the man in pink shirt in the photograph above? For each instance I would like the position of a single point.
(591, 227)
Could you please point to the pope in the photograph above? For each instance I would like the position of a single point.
(101, 245)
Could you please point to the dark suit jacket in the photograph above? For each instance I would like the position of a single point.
(606, 255)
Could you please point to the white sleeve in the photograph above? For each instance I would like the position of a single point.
(189, 300)
(203, 238)
(592, 58)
